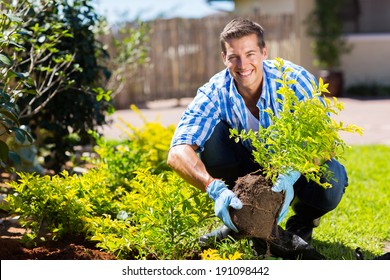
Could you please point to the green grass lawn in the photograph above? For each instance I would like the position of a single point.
(362, 219)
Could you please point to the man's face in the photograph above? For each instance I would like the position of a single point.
(244, 59)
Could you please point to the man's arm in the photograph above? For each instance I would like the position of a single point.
(184, 160)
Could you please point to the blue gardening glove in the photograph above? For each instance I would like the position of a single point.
(223, 198)
(285, 183)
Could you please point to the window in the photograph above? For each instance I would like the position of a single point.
(366, 16)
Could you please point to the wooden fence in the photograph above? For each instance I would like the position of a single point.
(185, 53)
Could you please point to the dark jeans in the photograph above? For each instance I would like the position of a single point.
(227, 160)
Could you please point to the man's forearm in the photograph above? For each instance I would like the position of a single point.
(184, 160)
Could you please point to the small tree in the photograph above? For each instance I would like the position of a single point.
(302, 137)
(59, 72)
(67, 66)
(12, 82)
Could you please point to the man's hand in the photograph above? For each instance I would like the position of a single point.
(285, 182)
(223, 198)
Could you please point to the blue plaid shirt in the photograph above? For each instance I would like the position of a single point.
(218, 100)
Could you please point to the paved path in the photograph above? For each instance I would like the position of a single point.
(372, 115)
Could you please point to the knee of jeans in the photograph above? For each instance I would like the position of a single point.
(339, 181)
(325, 199)
(338, 175)
(331, 199)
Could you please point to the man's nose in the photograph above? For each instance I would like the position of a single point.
(242, 62)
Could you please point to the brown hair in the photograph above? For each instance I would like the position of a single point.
(240, 27)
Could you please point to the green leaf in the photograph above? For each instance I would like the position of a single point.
(14, 157)
(3, 150)
(11, 74)
(14, 18)
(5, 60)
(22, 135)
(122, 215)
(9, 115)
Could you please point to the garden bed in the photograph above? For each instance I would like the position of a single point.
(11, 247)
(72, 249)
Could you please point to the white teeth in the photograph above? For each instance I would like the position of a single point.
(246, 73)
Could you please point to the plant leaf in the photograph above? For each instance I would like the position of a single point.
(5, 60)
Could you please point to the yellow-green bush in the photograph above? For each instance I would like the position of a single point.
(56, 206)
(160, 218)
(145, 148)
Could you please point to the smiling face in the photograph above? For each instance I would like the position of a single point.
(244, 60)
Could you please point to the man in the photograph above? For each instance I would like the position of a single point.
(204, 155)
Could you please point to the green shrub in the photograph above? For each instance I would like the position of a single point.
(302, 137)
(145, 148)
(57, 206)
(66, 63)
(12, 82)
(160, 218)
(113, 235)
(169, 215)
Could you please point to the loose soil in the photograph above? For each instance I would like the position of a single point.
(72, 248)
(261, 207)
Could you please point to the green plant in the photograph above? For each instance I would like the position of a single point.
(324, 25)
(113, 234)
(145, 148)
(12, 82)
(57, 56)
(302, 137)
(169, 216)
(159, 218)
(231, 249)
(57, 206)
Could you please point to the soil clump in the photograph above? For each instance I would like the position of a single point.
(261, 207)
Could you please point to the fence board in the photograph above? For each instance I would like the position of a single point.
(185, 53)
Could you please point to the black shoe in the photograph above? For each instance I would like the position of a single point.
(288, 246)
(208, 240)
(303, 229)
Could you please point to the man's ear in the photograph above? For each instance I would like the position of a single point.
(223, 58)
(264, 52)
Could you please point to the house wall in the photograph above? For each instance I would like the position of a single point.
(368, 62)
